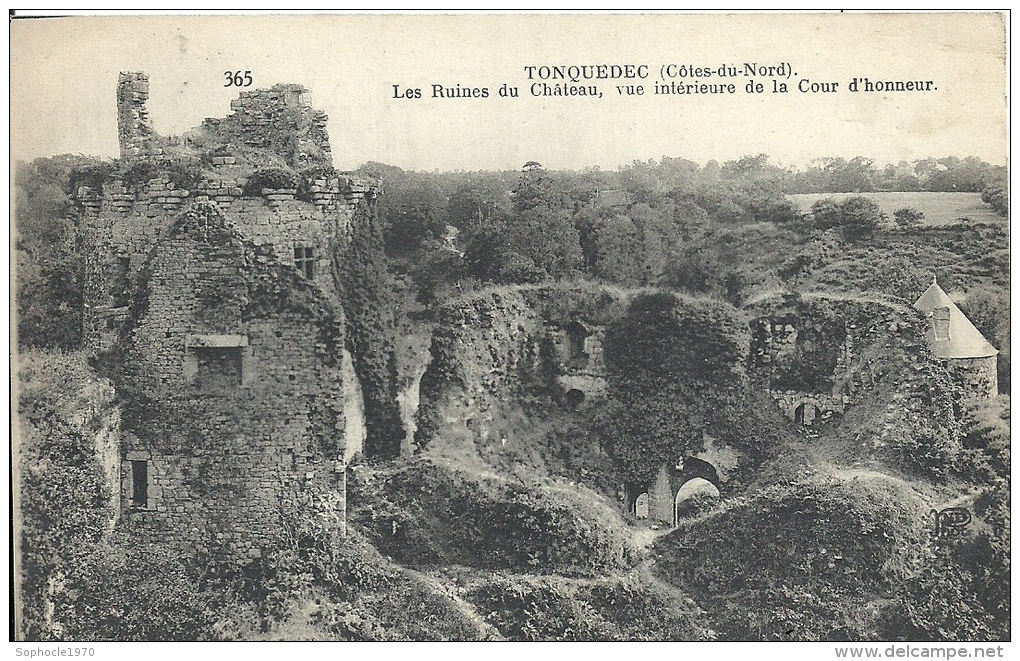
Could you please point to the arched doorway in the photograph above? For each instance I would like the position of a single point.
(574, 398)
(805, 414)
(577, 357)
(692, 496)
(641, 506)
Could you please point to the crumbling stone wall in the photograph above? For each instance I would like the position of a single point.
(581, 360)
(977, 376)
(836, 367)
(281, 120)
(494, 347)
(194, 277)
(124, 216)
(134, 128)
(229, 466)
(481, 348)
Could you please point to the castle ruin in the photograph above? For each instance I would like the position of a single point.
(210, 281)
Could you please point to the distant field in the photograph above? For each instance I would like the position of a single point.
(938, 208)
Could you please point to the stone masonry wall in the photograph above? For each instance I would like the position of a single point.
(134, 127)
(122, 227)
(279, 119)
(978, 376)
(231, 467)
(159, 178)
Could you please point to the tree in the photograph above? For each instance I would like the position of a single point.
(50, 267)
(857, 175)
(534, 244)
(617, 254)
(479, 199)
(411, 210)
(988, 309)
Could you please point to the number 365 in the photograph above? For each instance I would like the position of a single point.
(237, 78)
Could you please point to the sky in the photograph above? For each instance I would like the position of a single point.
(64, 75)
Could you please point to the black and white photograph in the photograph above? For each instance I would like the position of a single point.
(566, 326)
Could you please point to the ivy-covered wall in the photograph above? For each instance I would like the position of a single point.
(227, 460)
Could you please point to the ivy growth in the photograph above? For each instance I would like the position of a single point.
(366, 296)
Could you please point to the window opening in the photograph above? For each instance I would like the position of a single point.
(120, 289)
(304, 260)
(219, 365)
(940, 323)
(139, 484)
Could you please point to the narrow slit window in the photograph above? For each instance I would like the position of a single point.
(304, 260)
(139, 484)
(120, 286)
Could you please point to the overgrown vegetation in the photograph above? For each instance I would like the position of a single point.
(64, 494)
(50, 267)
(675, 370)
(426, 514)
(814, 561)
(637, 607)
(366, 295)
(274, 178)
(822, 535)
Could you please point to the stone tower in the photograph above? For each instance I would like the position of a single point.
(953, 338)
(210, 290)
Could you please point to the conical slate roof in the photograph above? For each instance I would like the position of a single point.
(964, 340)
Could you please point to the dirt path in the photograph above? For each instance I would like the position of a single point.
(644, 537)
(466, 608)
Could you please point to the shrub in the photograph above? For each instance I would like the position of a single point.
(307, 177)
(367, 295)
(64, 496)
(997, 196)
(800, 562)
(131, 592)
(963, 591)
(184, 175)
(631, 608)
(93, 176)
(857, 217)
(428, 514)
(908, 217)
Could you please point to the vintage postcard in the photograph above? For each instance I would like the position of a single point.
(512, 327)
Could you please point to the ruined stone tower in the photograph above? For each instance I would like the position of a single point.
(134, 128)
(209, 280)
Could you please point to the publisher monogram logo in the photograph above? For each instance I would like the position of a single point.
(949, 521)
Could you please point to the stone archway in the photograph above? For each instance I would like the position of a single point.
(641, 506)
(662, 491)
(694, 490)
(694, 467)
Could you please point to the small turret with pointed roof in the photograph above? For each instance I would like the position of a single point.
(950, 333)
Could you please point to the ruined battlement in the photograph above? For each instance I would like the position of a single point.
(279, 119)
(267, 166)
